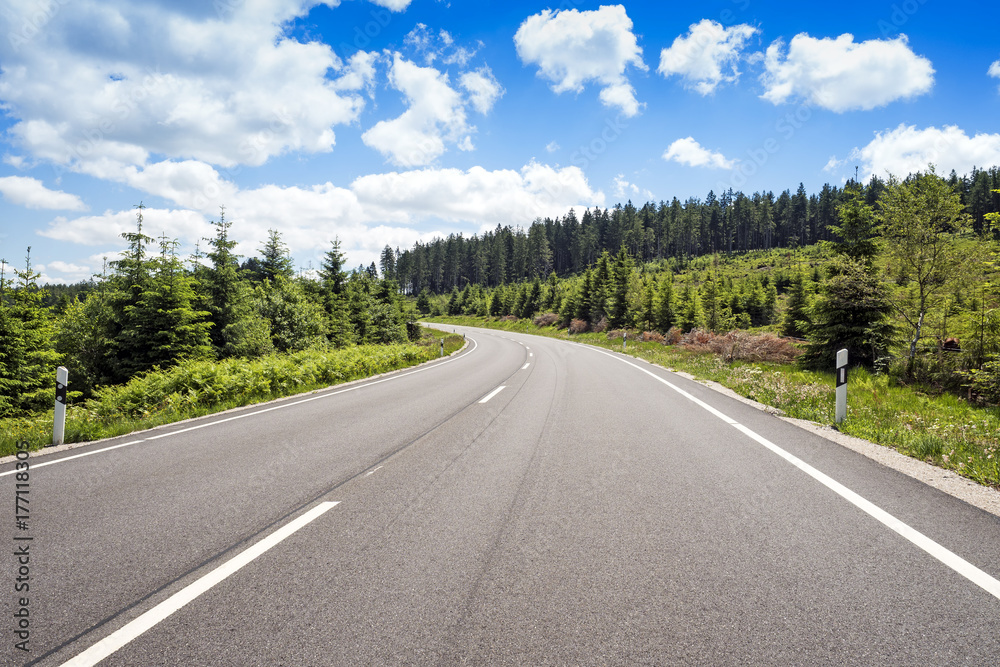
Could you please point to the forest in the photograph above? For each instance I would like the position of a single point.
(151, 310)
(898, 271)
(903, 273)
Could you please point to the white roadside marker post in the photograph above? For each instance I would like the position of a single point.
(59, 427)
(442, 347)
(841, 385)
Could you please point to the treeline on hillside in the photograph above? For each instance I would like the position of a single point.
(151, 310)
(907, 280)
(727, 223)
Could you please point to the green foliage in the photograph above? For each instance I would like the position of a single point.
(296, 321)
(274, 260)
(196, 388)
(852, 312)
(858, 231)
(924, 222)
(238, 330)
(797, 320)
(27, 360)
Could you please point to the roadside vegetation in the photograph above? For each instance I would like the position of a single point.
(942, 429)
(204, 387)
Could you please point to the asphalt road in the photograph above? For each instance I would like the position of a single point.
(596, 510)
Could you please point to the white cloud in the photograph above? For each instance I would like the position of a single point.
(552, 147)
(689, 152)
(907, 150)
(994, 70)
(572, 48)
(224, 86)
(483, 88)
(625, 189)
(707, 56)
(31, 193)
(487, 197)
(375, 209)
(839, 75)
(441, 47)
(106, 229)
(435, 117)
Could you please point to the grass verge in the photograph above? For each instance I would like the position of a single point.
(942, 430)
(200, 388)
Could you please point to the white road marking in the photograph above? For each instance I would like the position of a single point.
(952, 560)
(250, 414)
(525, 367)
(493, 393)
(372, 472)
(76, 456)
(123, 636)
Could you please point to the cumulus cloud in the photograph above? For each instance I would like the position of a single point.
(483, 88)
(625, 189)
(690, 153)
(994, 70)
(106, 229)
(435, 118)
(489, 197)
(183, 82)
(906, 150)
(841, 75)
(32, 193)
(572, 48)
(374, 210)
(707, 56)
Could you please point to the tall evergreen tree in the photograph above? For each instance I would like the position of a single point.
(852, 313)
(28, 360)
(666, 317)
(797, 320)
(238, 330)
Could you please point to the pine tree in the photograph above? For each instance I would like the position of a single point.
(621, 273)
(238, 330)
(858, 229)
(665, 314)
(274, 258)
(340, 329)
(797, 320)
(168, 326)
(28, 360)
(851, 313)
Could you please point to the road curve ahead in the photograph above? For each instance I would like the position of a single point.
(527, 501)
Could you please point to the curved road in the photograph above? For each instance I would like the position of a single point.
(595, 510)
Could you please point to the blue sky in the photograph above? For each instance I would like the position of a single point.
(392, 121)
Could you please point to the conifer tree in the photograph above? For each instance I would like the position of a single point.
(28, 360)
(851, 313)
(339, 328)
(797, 320)
(665, 315)
(274, 258)
(238, 330)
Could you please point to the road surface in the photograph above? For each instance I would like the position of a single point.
(527, 501)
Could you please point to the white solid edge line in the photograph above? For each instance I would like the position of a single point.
(251, 414)
(130, 631)
(493, 393)
(952, 560)
(75, 456)
(525, 367)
